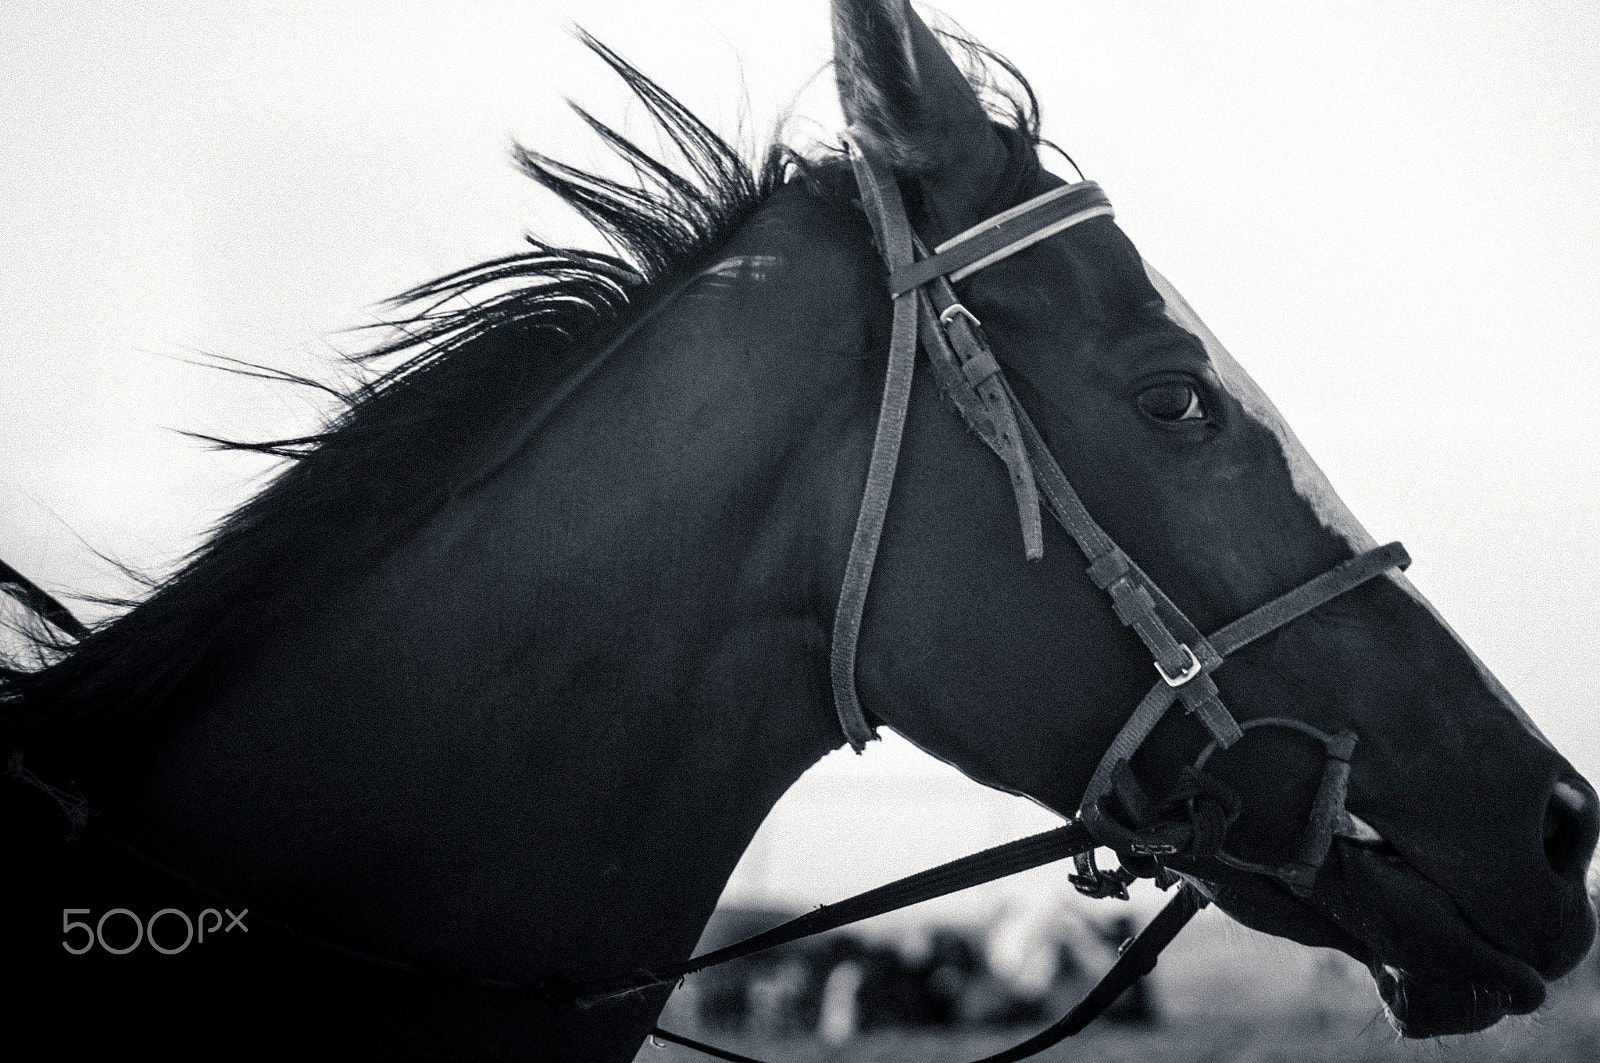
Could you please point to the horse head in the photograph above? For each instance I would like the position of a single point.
(1460, 879)
(490, 689)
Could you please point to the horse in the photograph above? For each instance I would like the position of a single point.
(495, 682)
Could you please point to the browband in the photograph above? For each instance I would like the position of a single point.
(1004, 235)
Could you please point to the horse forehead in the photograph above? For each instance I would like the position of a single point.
(1309, 481)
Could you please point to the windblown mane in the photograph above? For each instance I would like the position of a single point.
(446, 398)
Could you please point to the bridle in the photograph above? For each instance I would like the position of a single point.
(972, 378)
(1114, 811)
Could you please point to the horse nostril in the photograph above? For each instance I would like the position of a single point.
(1571, 825)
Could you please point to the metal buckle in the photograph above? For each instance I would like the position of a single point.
(955, 310)
(1184, 676)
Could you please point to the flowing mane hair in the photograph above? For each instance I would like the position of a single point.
(443, 403)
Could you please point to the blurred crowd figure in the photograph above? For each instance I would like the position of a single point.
(1022, 969)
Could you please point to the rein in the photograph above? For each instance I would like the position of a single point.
(1114, 811)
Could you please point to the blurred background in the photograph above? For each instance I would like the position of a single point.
(1386, 210)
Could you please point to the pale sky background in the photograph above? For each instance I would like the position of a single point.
(1387, 210)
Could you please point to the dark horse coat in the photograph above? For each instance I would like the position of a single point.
(502, 673)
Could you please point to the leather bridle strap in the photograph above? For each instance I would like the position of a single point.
(1004, 234)
(970, 376)
(1173, 641)
(892, 231)
(998, 862)
(895, 240)
(972, 379)
(1234, 636)
(1137, 959)
(1308, 596)
(1230, 638)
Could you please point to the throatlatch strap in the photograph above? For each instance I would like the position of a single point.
(893, 231)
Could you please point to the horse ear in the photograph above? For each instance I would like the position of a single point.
(908, 103)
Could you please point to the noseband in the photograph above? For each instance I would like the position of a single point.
(1184, 658)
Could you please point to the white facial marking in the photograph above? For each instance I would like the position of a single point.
(1309, 481)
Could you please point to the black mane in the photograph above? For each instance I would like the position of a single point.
(443, 396)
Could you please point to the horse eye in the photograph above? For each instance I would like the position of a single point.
(1172, 402)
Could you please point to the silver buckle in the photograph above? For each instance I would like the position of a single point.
(955, 310)
(1184, 676)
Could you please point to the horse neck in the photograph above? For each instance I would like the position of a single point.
(691, 505)
(584, 682)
